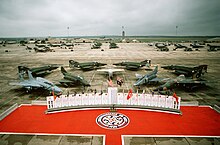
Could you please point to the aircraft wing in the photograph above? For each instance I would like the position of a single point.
(155, 80)
(139, 76)
(132, 67)
(110, 70)
(139, 82)
(25, 84)
(89, 67)
(66, 81)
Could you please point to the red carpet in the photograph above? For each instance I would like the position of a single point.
(195, 121)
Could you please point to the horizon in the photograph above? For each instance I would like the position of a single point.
(45, 18)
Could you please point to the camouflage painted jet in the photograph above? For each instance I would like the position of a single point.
(38, 71)
(193, 72)
(134, 65)
(180, 81)
(36, 83)
(148, 78)
(72, 80)
(85, 66)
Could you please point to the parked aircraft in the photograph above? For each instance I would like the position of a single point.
(193, 72)
(180, 81)
(113, 45)
(43, 49)
(149, 77)
(196, 45)
(134, 65)
(38, 71)
(110, 71)
(213, 47)
(72, 80)
(162, 46)
(36, 83)
(86, 65)
(96, 45)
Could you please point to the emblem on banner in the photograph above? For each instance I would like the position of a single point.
(112, 120)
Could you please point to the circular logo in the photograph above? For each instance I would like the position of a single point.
(112, 120)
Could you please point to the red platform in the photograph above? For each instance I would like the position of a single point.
(195, 121)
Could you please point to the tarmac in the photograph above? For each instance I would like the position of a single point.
(18, 55)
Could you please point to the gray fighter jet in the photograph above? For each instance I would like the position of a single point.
(150, 77)
(36, 83)
(72, 80)
(180, 81)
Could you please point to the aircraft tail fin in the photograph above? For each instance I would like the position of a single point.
(147, 61)
(155, 70)
(63, 70)
(22, 69)
(20, 77)
(73, 63)
(30, 75)
(202, 69)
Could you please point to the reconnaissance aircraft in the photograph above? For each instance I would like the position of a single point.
(71, 80)
(85, 66)
(180, 81)
(38, 71)
(134, 65)
(193, 72)
(36, 83)
(148, 78)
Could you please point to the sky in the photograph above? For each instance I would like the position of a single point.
(43, 18)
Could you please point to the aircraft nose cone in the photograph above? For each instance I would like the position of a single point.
(57, 90)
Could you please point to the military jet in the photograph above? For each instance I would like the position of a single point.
(178, 45)
(134, 65)
(38, 71)
(96, 45)
(148, 78)
(36, 83)
(193, 72)
(113, 45)
(162, 46)
(180, 81)
(71, 80)
(85, 66)
(43, 49)
(196, 45)
(110, 71)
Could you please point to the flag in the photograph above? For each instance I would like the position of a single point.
(54, 96)
(110, 83)
(175, 96)
(129, 94)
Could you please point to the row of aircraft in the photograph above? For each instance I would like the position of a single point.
(35, 81)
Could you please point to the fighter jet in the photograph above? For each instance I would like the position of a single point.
(180, 81)
(113, 45)
(196, 45)
(110, 71)
(96, 45)
(85, 66)
(150, 77)
(72, 80)
(193, 72)
(134, 65)
(38, 71)
(162, 46)
(36, 83)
